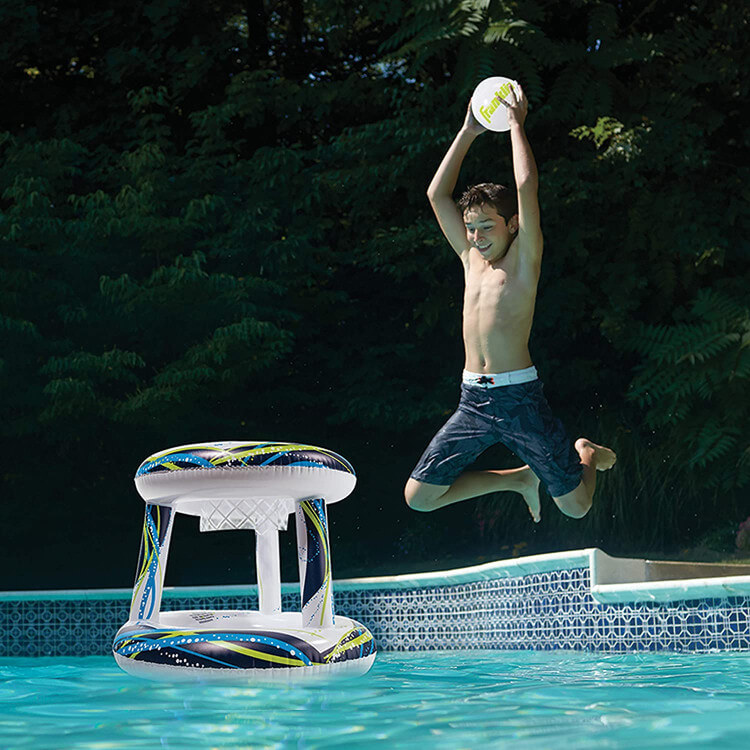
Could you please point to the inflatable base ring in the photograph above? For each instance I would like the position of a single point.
(202, 644)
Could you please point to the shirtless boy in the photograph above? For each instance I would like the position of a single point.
(497, 236)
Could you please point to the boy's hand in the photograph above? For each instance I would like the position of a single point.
(471, 124)
(517, 106)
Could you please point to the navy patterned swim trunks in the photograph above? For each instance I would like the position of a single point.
(516, 415)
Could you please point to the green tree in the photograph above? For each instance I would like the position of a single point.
(213, 225)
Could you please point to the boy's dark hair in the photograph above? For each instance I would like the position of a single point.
(501, 198)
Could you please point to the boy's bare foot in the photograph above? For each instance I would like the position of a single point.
(603, 458)
(530, 492)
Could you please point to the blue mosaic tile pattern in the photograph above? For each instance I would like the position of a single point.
(40, 627)
(541, 611)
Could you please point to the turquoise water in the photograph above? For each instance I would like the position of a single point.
(457, 699)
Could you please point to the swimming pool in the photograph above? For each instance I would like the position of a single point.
(546, 651)
(455, 699)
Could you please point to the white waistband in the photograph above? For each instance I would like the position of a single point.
(497, 379)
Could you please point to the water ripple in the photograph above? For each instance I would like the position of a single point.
(450, 700)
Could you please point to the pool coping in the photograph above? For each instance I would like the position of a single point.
(613, 580)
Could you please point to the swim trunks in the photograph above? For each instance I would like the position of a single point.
(515, 414)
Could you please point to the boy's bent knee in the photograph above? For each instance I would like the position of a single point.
(575, 504)
(574, 510)
(420, 496)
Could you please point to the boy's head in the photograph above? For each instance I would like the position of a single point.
(501, 198)
(490, 214)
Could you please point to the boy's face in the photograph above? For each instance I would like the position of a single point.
(488, 232)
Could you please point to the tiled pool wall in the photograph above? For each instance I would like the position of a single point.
(541, 610)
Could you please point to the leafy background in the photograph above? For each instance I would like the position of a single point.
(213, 226)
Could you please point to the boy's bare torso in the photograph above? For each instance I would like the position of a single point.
(499, 300)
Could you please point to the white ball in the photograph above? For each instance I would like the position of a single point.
(485, 104)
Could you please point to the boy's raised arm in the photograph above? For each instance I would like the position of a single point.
(526, 177)
(440, 191)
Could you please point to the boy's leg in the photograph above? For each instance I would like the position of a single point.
(440, 477)
(577, 503)
(539, 439)
(426, 497)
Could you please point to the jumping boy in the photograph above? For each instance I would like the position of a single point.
(497, 236)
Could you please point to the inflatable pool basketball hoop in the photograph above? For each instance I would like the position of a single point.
(243, 485)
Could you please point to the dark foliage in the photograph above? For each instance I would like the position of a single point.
(213, 226)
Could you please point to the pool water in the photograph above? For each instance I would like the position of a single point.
(456, 699)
